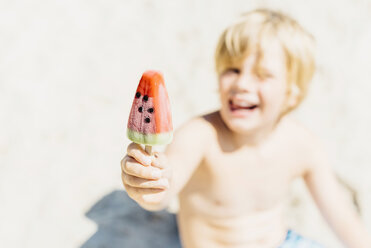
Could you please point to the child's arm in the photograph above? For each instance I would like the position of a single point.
(334, 206)
(174, 168)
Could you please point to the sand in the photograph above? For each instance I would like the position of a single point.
(68, 74)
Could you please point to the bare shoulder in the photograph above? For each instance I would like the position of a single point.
(307, 145)
(299, 133)
(191, 138)
(199, 128)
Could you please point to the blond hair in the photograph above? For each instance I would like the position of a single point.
(255, 30)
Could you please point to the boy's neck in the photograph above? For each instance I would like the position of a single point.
(256, 137)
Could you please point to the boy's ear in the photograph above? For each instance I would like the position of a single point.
(293, 95)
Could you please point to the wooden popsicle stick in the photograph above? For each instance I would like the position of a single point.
(148, 149)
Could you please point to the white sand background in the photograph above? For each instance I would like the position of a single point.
(68, 73)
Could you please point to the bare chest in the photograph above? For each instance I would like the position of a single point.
(243, 180)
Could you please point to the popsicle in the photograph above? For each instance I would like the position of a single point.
(150, 117)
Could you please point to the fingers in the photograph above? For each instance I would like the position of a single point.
(159, 160)
(132, 167)
(136, 151)
(137, 182)
(145, 177)
(148, 195)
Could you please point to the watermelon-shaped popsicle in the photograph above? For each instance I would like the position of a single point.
(150, 117)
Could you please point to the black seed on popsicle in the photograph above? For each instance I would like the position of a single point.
(140, 109)
(145, 98)
(137, 95)
(147, 120)
(150, 110)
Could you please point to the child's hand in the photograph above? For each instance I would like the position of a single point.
(146, 178)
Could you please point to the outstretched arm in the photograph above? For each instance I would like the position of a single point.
(333, 204)
(187, 150)
(152, 181)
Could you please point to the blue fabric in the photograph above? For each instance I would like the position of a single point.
(295, 240)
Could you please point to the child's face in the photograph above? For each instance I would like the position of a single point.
(252, 95)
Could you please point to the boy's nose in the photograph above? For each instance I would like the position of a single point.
(245, 83)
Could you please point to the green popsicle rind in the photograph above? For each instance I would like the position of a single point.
(150, 139)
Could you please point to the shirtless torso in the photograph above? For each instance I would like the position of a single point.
(236, 196)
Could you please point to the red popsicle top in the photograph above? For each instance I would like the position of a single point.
(150, 111)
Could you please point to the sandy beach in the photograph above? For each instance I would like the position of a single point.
(68, 74)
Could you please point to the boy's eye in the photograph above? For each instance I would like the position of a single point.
(264, 74)
(232, 70)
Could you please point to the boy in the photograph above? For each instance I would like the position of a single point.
(232, 168)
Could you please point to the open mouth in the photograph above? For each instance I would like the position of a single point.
(242, 106)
